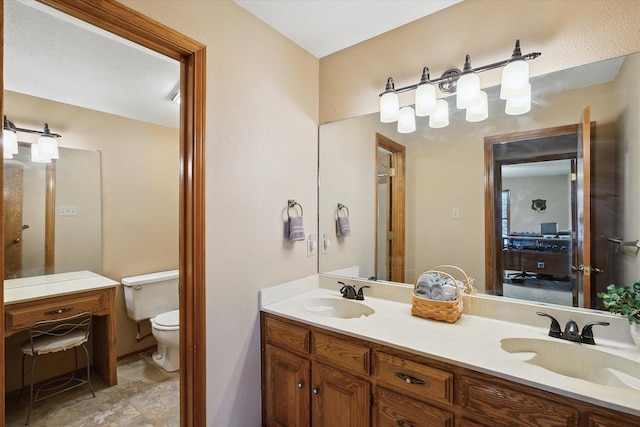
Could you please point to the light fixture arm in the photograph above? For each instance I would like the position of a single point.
(8, 125)
(447, 82)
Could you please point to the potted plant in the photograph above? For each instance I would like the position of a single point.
(625, 300)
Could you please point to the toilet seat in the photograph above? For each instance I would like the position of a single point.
(168, 321)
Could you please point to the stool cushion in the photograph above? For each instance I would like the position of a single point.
(50, 343)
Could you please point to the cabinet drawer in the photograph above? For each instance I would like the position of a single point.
(347, 355)
(505, 404)
(287, 336)
(21, 316)
(397, 410)
(416, 378)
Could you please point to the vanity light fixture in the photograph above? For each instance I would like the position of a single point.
(43, 151)
(515, 89)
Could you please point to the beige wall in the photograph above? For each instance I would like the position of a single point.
(628, 183)
(567, 32)
(261, 150)
(556, 190)
(139, 197)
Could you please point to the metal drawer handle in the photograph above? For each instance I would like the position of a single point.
(411, 380)
(403, 423)
(58, 311)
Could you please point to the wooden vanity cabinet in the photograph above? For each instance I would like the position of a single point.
(308, 379)
(314, 377)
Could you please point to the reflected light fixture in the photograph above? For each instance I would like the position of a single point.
(515, 89)
(43, 151)
(9, 139)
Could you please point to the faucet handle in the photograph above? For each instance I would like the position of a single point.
(571, 332)
(554, 330)
(360, 296)
(587, 333)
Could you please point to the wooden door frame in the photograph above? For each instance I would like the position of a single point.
(134, 26)
(397, 191)
(492, 234)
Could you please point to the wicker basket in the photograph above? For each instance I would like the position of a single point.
(446, 311)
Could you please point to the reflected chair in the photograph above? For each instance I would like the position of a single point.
(52, 336)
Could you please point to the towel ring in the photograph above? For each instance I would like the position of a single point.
(292, 204)
(342, 207)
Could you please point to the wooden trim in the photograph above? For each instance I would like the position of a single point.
(398, 152)
(132, 25)
(50, 220)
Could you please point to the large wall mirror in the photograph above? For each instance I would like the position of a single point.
(52, 214)
(534, 175)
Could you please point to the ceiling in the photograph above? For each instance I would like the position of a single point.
(323, 27)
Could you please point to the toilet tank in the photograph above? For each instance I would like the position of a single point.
(148, 295)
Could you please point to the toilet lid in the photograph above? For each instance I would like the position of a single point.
(170, 318)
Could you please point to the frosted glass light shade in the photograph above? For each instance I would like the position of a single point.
(425, 100)
(389, 107)
(468, 90)
(37, 156)
(407, 120)
(440, 118)
(10, 142)
(519, 105)
(480, 110)
(48, 147)
(515, 78)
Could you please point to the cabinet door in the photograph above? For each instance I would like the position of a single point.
(339, 399)
(287, 389)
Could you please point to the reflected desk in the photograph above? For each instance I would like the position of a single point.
(30, 299)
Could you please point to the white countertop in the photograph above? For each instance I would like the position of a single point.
(472, 342)
(51, 285)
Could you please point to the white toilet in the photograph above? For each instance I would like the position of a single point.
(154, 296)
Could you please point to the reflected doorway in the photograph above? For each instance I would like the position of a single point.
(390, 210)
(543, 253)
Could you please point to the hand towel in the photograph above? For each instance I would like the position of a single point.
(344, 229)
(295, 228)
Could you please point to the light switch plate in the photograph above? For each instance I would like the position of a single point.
(68, 210)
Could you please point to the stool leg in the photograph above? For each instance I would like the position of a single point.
(86, 352)
(21, 379)
(33, 368)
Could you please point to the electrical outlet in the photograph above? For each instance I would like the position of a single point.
(68, 210)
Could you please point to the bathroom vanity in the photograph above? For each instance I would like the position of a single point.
(392, 369)
(32, 299)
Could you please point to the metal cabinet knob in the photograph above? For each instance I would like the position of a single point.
(300, 384)
(316, 390)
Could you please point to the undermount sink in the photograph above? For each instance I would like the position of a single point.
(576, 360)
(340, 308)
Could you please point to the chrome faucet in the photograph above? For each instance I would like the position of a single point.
(571, 330)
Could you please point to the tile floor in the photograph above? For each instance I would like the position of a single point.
(146, 396)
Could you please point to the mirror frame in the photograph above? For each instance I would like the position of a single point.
(138, 28)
